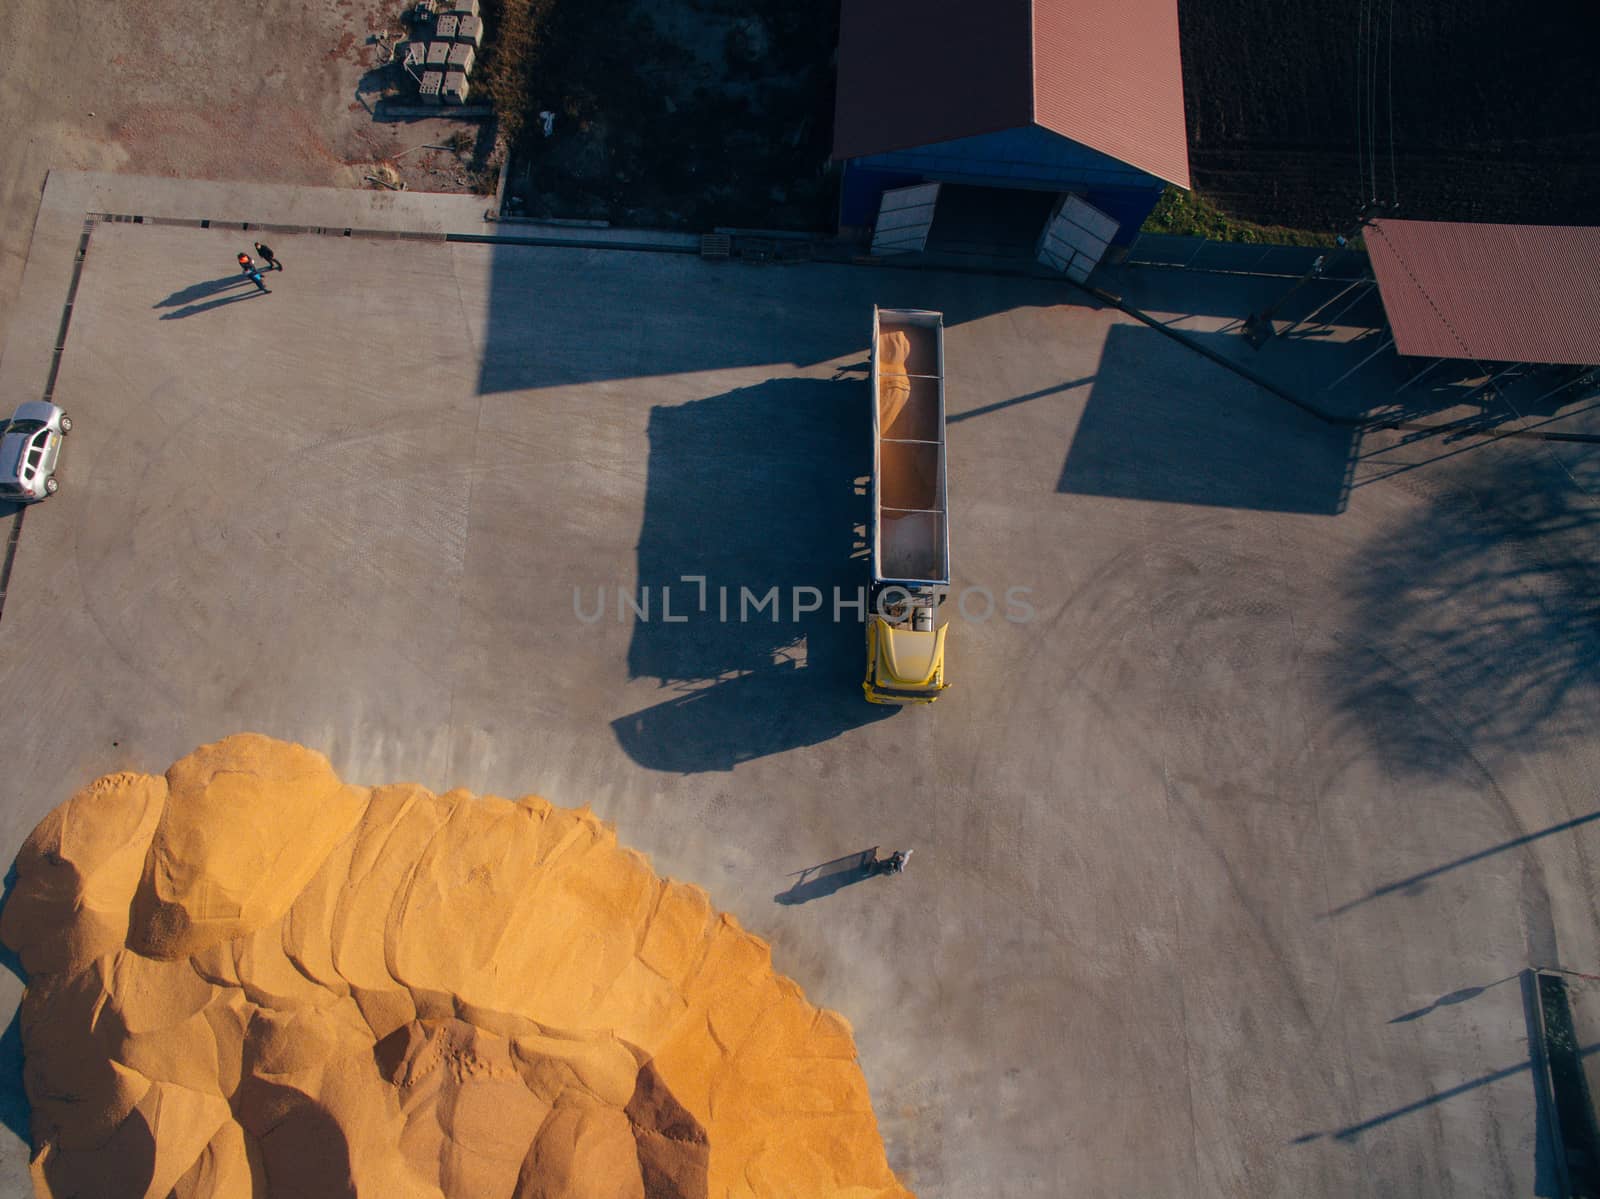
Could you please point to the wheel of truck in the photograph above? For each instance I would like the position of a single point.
(66, 423)
(51, 486)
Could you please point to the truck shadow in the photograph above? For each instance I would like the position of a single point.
(756, 492)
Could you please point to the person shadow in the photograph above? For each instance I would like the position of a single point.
(814, 882)
(195, 298)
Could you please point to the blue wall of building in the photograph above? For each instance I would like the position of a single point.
(1029, 157)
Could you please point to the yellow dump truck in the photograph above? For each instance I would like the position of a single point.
(910, 532)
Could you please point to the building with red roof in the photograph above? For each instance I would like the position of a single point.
(1030, 99)
(1490, 293)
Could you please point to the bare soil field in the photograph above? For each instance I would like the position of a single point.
(1494, 112)
(280, 90)
(677, 113)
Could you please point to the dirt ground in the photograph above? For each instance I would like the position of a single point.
(281, 90)
(1494, 118)
(682, 114)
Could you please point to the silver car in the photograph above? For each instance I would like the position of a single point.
(29, 449)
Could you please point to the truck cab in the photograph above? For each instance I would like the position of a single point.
(905, 652)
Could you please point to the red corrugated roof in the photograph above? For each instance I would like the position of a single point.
(1497, 293)
(1105, 73)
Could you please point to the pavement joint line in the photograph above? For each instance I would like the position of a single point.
(266, 227)
(571, 243)
(649, 246)
(11, 555)
(66, 309)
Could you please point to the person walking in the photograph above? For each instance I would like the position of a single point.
(248, 266)
(268, 257)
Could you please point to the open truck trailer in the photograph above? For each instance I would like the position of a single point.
(910, 529)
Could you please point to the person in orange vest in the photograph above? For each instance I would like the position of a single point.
(248, 266)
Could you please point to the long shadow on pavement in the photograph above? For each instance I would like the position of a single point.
(196, 309)
(1162, 424)
(201, 291)
(814, 882)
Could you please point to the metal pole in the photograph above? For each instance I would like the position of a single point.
(1576, 379)
(1360, 364)
(1489, 382)
(1319, 308)
(1370, 284)
(1431, 366)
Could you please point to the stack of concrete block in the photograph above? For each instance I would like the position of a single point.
(439, 55)
(460, 7)
(416, 58)
(444, 29)
(432, 87)
(469, 29)
(461, 57)
(455, 87)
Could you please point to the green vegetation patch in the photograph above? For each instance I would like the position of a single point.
(1189, 214)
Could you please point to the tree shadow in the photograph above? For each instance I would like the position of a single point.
(759, 493)
(1474, 634)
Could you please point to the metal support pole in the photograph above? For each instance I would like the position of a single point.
(1371, 283)
(1389, 342)
(1557, 390)
(1489, 382)
(1425, 370)
(1307, 317)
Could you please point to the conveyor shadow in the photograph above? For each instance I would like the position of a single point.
(815, 882)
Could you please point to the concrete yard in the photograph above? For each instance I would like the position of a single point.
(1228, 862)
